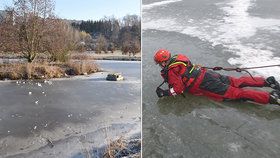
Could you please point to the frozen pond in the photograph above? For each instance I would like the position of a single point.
(33, 112)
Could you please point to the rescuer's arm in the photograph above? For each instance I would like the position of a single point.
(175, 81)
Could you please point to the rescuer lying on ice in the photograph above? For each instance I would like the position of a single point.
(182, 76)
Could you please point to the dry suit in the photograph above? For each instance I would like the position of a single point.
(183, 76)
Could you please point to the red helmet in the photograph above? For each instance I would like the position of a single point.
(162, 55)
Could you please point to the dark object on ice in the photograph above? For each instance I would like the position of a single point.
(70, 71)
(114, 77)
(50, 143)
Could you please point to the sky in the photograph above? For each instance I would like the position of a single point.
(90, 9)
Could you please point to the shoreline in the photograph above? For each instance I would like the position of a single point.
(118, 58)
(79, 64)
(102, 73)
(117, 55)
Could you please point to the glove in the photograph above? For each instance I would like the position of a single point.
(160, 92)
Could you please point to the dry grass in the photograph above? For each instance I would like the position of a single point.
(45, 70)
(41, 71)
(114, 147)
(122, 147)
(13, 72)
(81, 67)
(29, 71)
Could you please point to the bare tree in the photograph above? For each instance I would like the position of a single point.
(130, 20)
(87, 40)
(135, 47)
(60, 40)
(125, 47)
(31, 17)
(101, 44)
(8, 40)
(111, 47)
(130, 34)
(115, 30)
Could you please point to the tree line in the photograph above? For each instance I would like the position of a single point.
(31, 28)
(109, 34)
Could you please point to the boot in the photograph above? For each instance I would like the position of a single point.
(271, 82)
(274, 97)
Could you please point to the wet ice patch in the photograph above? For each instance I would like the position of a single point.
(163, 25)
(233, 31)
(234, 147)
(156, 4)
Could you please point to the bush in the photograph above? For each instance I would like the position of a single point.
(46, 70)
(42, 71)
(81, 67)
(17, 71)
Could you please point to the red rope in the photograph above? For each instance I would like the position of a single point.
(237, 69)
